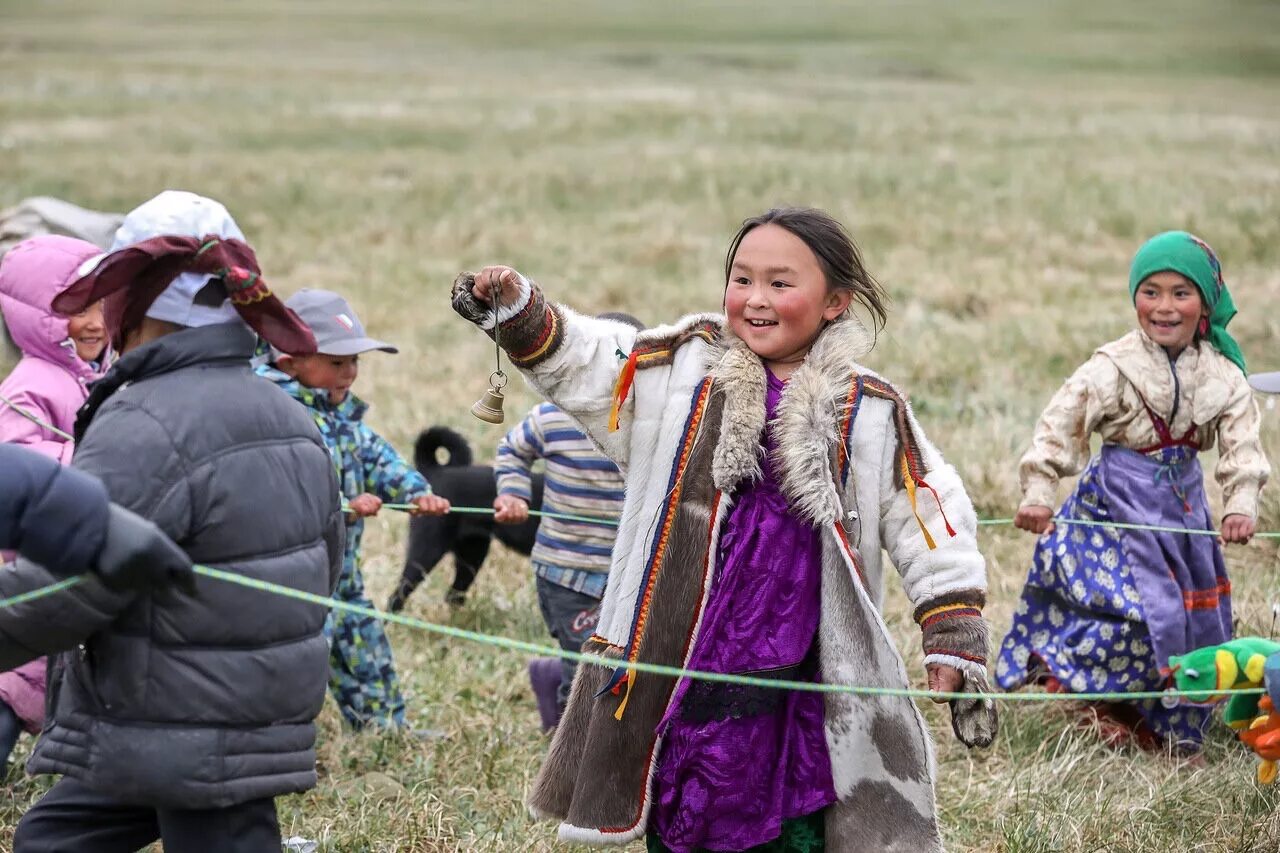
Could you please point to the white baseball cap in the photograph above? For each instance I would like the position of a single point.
(181, 214)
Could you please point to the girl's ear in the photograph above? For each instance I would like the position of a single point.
(837, 302)
(286, 366)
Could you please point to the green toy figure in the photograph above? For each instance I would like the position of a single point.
(1235, 665)
(1218, 670)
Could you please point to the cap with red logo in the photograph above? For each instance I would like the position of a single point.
(337, 329)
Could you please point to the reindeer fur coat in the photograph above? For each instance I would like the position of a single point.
(852, 458)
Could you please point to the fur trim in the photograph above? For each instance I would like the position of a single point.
(739, 377)
(975, 722)
(879, 746)
(596, 838)
(808, 421)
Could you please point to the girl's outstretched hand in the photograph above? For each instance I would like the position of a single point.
(1238, 529)
(505, 280)
(1034, 519)
(944, 679)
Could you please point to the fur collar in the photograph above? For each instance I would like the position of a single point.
(806, 422)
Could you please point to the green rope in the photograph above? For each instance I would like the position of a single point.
(656, 669)
(483, 510)
(982, 522)
(42, 592)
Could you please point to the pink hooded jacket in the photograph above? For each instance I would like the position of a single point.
(50, 381)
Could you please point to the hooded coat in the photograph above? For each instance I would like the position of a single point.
(51, 381)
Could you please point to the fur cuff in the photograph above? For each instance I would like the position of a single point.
(952, 625)
(974, 721)
(531, 329)
(465, 303)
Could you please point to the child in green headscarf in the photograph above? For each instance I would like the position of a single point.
(1104, 608)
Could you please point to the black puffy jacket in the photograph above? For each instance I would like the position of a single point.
(197, 701)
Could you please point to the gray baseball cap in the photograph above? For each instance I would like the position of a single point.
(337, 329)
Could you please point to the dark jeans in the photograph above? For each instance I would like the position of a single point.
(571, 618)
(72, 818)
(10, 728)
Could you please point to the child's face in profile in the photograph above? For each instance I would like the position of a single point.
(334, 373)
(777, 298)
(1169, 310)
(88, 332)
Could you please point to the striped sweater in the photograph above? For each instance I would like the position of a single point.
(579, 481)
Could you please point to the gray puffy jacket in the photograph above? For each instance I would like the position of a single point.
(198, 701)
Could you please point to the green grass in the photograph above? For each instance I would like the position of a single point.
(998, 162)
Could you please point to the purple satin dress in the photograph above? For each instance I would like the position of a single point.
(735, 763)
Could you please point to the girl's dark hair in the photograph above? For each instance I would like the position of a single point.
(837, 254)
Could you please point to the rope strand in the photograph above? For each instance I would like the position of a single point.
(657, 669)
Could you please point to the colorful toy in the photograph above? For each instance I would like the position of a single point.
(1263, 737)
(1235, 665)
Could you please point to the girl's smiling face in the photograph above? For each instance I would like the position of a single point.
(777, 298)
(1169, 310)
(88, 332)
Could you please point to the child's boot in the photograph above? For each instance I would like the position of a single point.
(544, 676)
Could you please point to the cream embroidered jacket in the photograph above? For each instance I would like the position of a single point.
(1200, 393)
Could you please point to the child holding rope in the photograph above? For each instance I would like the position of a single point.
(765, 470)
(38, 404)
(182, 716)
(363, 677)
(1103, 608)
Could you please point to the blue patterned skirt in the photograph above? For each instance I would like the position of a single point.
(1104, 608)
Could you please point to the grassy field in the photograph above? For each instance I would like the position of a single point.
(998, 162)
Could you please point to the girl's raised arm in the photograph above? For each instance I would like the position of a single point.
(574, 361)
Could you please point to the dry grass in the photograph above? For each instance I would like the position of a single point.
(999, 162)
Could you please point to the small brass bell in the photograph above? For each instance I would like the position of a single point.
(489, 407)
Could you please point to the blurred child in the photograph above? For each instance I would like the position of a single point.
(570, 557)
(363, 677)
(1104, 608)
(60, 355)
(765, 470)
(171, 715)
(38, 403)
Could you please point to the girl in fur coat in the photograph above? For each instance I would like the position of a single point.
(765, 471)
(1103, 608)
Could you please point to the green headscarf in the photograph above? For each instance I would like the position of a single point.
(1189, 255)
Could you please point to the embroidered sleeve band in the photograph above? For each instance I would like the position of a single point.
(953, 629)
(531, 328)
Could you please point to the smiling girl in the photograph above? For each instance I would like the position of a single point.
(765, 470)
(39, 400)
(1103, 609)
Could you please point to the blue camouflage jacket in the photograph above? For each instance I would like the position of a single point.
(366, 462)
